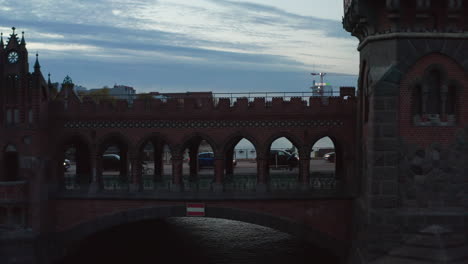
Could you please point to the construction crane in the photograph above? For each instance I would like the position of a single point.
(319, 88)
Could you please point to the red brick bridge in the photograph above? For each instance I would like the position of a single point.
(41, 201)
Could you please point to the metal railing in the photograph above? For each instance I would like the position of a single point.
(205, 183)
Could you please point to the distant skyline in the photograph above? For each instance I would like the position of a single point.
(179, 46)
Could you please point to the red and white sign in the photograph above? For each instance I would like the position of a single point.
(195, 209)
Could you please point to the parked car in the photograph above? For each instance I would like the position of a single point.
(111, 162)
(330, 157)
(280, 158)
(206, 159)
(66, 164)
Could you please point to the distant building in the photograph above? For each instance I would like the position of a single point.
(123, 92)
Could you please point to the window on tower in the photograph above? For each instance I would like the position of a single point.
(434, 99)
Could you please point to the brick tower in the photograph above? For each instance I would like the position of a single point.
(413, 123)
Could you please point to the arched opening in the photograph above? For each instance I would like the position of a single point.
(74, 164)
(199, 165)
(241, 165)
(113, 165)
(322, 169)
(283, 164)
(11, 164)
(155, 167)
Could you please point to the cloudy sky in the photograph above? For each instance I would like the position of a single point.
(187, 45)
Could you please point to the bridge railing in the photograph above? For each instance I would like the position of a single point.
(318, 182)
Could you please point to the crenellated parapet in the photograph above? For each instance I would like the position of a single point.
(186, 107)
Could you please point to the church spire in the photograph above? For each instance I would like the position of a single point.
(2, 46)
(37, 66)
(23, 42)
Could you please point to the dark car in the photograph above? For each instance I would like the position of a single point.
(111, 162)
(206, 159)
(66, 164)
(280, 158)
(330, 157)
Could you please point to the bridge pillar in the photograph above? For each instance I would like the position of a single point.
(304, 167)
(158, 162)
(193, 162)
(177, 164)
(136, 170)
(262, 174)
(228, 162)
(219, 174)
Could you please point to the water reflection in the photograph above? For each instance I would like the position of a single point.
(196, 240)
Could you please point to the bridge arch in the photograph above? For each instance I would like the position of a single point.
(296, 141)
(232, 140)
(197, 136)
(118, 148)
(155, 135)
(82, 160)
(69, 238)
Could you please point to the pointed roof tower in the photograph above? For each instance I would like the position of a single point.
(23, 42)
(37, 66)
(2, 46)
(13, 40)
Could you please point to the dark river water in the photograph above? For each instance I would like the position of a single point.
(196, 240)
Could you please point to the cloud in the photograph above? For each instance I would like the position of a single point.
(222, 34)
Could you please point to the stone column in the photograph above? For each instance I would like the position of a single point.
(219, 174)
(262, 174)
(304, 167)
(177, 183)
(228, 162)
(96, 172)
(193, 164)
(158, 162)
(135, 172)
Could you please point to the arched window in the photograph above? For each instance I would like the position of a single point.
(433, 100)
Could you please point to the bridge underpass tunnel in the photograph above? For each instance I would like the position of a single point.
(283, 164)
(10, 164)
(154, 165)
(322, 167)
(195, 240)
(240, 165)
(113, 165)
(199, 165)
(74, 165)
